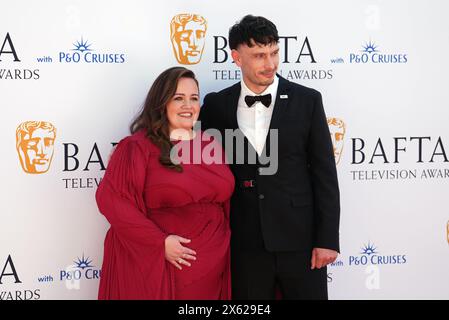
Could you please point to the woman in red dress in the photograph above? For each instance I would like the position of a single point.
(169, 234)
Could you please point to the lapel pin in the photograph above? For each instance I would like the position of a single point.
(284, 96)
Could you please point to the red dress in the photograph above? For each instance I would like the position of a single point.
(145, 202)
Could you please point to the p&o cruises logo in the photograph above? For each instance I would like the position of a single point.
(83, 52)
(81, 269)
(371, 53)
(370, 255)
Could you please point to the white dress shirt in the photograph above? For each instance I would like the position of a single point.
(254, 122)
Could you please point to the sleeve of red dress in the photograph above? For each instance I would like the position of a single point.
(120, 196)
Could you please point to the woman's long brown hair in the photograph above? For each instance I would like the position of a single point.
(153, 117)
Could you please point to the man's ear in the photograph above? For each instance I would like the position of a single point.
(236, 57)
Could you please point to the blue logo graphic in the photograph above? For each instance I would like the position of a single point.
(82, 52)
(369, 47)
(369, 249)
(83, 263)
(82, 46)
(81, 269)
(372, 54)
(369, 255)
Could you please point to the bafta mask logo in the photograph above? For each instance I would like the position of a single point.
(187, 35)
(35, 145)
(337, 130)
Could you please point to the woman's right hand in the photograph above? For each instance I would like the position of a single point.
(176, 253)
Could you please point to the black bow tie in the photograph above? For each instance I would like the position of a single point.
(251, 100)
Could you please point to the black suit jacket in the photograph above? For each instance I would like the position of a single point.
(298, 207)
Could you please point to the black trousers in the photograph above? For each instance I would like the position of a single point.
(259, 274)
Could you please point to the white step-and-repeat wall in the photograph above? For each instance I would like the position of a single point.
(74, 73)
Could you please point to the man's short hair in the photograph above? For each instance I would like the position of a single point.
(259, 29)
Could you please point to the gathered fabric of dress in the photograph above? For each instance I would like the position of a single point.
(145, 202)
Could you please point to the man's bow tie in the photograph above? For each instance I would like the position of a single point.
(251, 100)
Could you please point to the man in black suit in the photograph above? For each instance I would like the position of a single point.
(285, 225)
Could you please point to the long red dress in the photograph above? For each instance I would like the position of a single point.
(145, 202)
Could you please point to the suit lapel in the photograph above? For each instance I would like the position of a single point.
(282, 98)
(280, 104)
(232, 101)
